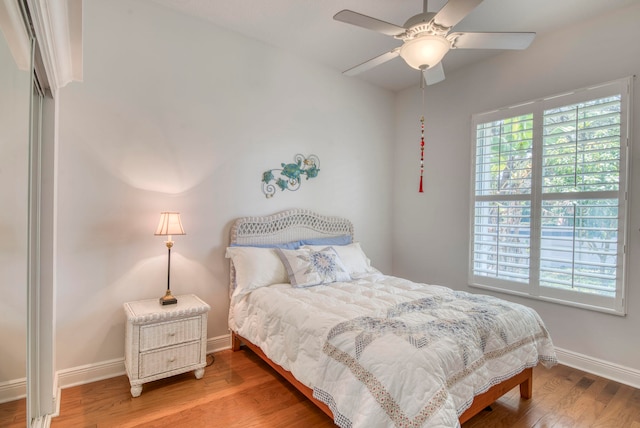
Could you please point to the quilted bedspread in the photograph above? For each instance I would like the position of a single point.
(384, 351)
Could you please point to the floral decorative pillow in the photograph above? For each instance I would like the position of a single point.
(306, 267)
(352, 256)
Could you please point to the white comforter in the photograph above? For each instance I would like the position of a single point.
(383, 351)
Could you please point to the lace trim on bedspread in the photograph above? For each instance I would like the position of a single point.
(382, 396)
(469, 325)
(341, 420)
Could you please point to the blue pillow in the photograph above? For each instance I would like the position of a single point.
(294, 245)
(330, 240)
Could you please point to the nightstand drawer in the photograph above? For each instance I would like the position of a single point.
(169, 333)
(168, 359)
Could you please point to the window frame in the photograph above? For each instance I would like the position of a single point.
(614, 305)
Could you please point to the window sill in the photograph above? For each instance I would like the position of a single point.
(557, 300)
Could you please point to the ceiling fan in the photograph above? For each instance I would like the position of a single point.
(427, 38)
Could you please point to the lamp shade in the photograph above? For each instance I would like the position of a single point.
(169, 224)
(425, 51)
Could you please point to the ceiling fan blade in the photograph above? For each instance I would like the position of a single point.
(434, 74)
(373, 62)
(364, 21)
(454, 11)
(491, 40)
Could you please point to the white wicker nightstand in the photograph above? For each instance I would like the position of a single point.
(163, 341)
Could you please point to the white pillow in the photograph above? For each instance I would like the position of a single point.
(255, 267)
(352, 256)
(307, 267)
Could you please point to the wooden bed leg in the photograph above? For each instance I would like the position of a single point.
(235, 342)
(524, 379)
(526, 387)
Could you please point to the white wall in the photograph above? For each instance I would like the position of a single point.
(431, 230)
(176, 114)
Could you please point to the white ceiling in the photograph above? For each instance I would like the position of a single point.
(306, 27)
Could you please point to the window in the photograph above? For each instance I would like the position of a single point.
(549, 198)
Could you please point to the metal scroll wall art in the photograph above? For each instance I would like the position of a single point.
(290, 175)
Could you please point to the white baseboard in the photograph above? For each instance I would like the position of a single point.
(80, 375)
(107, 369)
(219, 343)
(16, 389)
(12, 390)
(605, 369)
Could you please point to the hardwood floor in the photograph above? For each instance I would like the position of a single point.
(13, 414)
(565, 397)
(237, 390)
(240, 390)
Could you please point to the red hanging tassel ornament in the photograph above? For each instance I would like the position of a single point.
(421, 152)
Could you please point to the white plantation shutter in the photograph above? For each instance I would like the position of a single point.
(503, 198)
(549, 198)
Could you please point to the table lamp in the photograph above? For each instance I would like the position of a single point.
(169, 225)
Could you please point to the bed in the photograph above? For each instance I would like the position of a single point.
(372, 350)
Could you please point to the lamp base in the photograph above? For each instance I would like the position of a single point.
(168, 299)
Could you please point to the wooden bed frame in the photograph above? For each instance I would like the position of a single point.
(480, 402)
(299, 224)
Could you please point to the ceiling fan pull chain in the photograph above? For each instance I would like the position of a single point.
(422, 144)
(421, 153)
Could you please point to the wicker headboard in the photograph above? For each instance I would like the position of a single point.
(285, 226)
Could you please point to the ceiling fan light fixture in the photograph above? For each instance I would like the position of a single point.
(425, 51)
